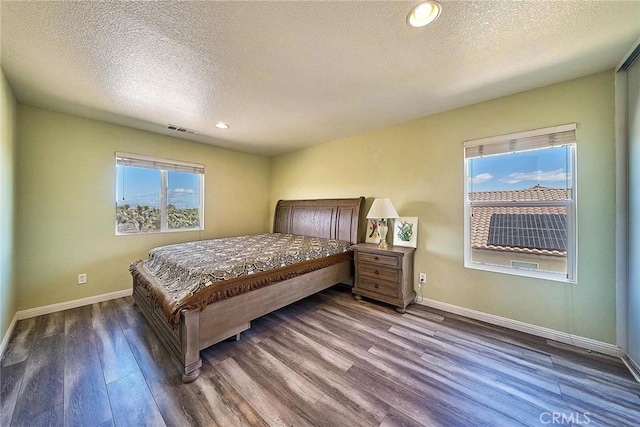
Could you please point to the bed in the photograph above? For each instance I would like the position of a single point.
(208, 316)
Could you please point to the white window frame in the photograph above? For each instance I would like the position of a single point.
(164, 166)
(496, 146)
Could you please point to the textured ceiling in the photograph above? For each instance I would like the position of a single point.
(286, 75)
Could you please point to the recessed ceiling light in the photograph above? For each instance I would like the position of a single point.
(221, 125)
(424, 13)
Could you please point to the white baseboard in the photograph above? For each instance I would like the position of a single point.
(552, 334)
(7, 335)
(52, 308)
(632, 366)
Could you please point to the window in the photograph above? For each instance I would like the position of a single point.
(157, 195)
(520, 209)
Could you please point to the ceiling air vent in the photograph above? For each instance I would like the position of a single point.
(181, 129)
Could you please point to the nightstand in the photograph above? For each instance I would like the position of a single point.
(384, 274)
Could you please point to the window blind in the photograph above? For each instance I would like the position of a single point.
(139, 161)
(521, 141)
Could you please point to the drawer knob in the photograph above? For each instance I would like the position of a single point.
(376, 272)
(376, 286)
(376, 258)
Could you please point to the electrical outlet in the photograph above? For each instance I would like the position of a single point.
(82, 278)
(423, 278)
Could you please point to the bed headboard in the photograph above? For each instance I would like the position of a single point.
(327, 218)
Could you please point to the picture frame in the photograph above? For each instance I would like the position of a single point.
(405, 231)
(372, 235)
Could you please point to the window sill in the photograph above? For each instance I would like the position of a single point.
(544, 275)
(144, 233)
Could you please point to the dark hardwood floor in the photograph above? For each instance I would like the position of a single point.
(327, 360)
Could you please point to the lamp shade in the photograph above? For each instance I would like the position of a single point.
(382, 208)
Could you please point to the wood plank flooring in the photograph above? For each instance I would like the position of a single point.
(327, 360)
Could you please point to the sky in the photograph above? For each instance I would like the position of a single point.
(546, 167)
(141, 186)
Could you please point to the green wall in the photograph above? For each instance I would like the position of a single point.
(65, 196)
(66, 202)
(8, 291)
(419, 165)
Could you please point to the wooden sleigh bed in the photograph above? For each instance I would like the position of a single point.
(193, 329)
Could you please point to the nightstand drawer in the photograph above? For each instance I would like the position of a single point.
(390, 261)
(378, 286)
(380, 273)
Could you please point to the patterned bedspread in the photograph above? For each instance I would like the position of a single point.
(194, 274)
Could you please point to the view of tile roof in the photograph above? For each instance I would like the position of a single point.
(544, 234)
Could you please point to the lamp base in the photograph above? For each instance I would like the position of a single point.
(382, 230)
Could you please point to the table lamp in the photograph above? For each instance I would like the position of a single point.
(382, 209)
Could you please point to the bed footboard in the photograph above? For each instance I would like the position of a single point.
(182, 341)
